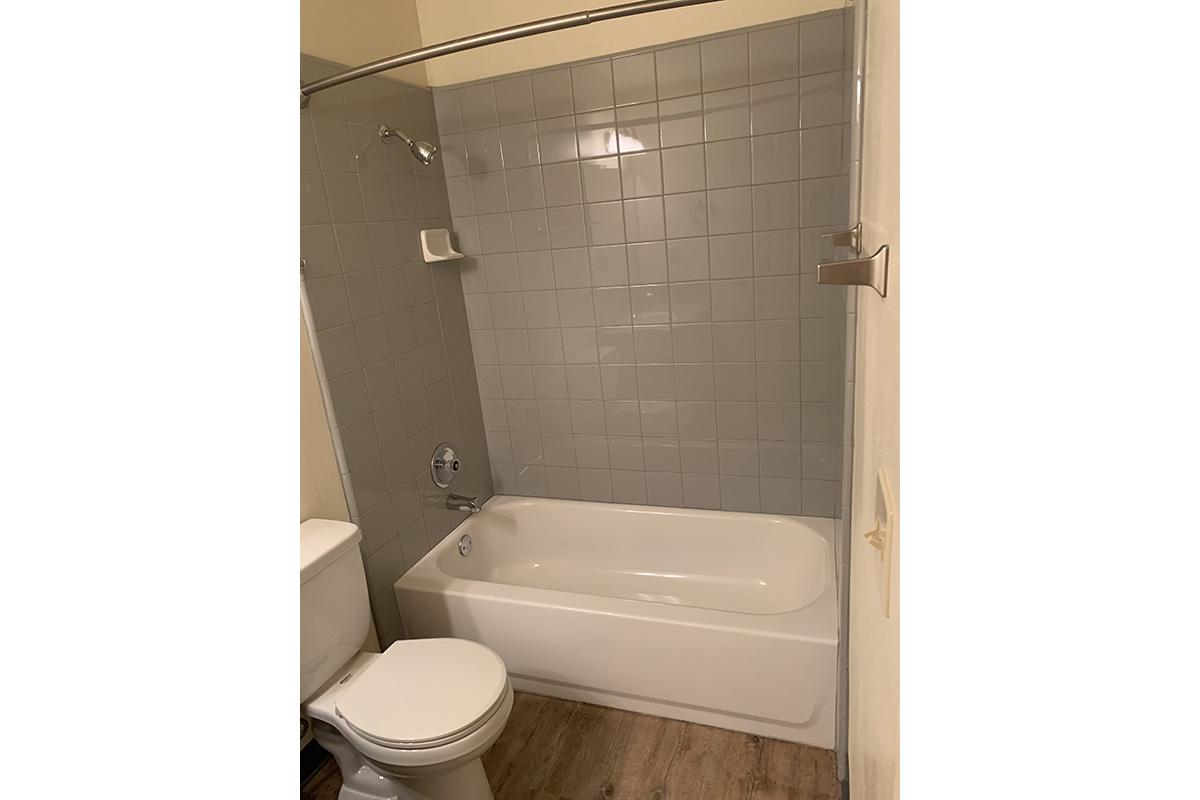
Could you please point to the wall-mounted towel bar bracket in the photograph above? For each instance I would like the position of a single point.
(871, 272)
(851, 238)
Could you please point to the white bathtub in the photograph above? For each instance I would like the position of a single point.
(708, 616)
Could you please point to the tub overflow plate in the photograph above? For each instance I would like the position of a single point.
(464, 544)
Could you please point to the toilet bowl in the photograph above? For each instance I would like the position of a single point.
(413, 722)
(410, 723)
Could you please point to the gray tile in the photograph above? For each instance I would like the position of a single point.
(726, 114)
(571, 269)
(637, 128)
(483, 150)
(362, 289)
(777, 205)
(562, 184)
(686, 215)
(556, 140)
(531, 230)
(776, 157)
(739, 493)
(724, 62)
(730, 256)
(777, 252)
(821, 43)
(601, 179)
(824, 201)
(597, 133)
(604, 223)
(678, 70)
(567, 228)
(489, 193)
(774, 53)
(729, 210)
(519, 145)
(687, 259)
(821, 100)
(727, 163)
(634, 79)
(552, 93)
(732, 300)
(345, 197)
(334, 147)
(462, 199)
(647, 262)
(641, 174)
(701, 491)
(819, 498)
(821, 461)
(644, 219)
(339, 350)
(495, 233)
(681, 121)
(328, 301)
(350, 397)
(821, 151)
(608, 265)
(514, 100)
(683, 169)
(524, 188)
(592, 86)
(628, 486)
(478, 105)
(775, 107)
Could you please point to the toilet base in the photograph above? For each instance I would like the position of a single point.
(361, 781)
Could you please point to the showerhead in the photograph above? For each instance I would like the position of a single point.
(421, 151)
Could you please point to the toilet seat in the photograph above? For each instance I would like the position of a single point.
(424, 693)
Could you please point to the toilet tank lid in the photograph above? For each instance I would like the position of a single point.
(323, 541)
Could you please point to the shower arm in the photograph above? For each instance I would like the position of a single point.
(492, 37)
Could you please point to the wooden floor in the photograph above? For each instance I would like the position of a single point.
(562, 750)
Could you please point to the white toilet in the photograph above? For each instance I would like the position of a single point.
(408, 724)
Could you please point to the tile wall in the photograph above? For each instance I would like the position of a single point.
(390, 332)
(643, 232)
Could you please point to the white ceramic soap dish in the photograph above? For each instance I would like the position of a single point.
(435, 246)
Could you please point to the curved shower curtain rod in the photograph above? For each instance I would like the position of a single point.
(492, 37)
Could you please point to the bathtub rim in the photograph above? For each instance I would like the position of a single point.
(816, 622)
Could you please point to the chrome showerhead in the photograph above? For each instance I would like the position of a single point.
(421, 151)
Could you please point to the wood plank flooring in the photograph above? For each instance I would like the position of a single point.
(555, 749)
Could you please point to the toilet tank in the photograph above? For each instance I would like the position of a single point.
(335, 612)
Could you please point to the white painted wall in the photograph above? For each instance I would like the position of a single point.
(321, 493)
(442, 20)
(357, 31)
(875, 638)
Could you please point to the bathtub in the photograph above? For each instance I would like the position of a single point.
(714, 617)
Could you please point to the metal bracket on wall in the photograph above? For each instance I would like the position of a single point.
(872, 271)
(851, 238)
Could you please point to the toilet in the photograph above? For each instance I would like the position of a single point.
(410, 723)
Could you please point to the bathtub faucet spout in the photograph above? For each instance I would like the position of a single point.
(460, 502)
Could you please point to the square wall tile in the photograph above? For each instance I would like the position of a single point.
(678, 70)
(774, 53)
(724, 62)
(592, 85)
(683, 169)
(634, 79)
(514, 100)
(641, 174)
(552, 93)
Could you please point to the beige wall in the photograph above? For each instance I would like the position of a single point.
(442, 20)
(874, 637)
(357, 31)
(321, 492)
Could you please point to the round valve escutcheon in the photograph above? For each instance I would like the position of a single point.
(444, 465)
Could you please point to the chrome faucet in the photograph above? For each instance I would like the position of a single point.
(460, 502)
